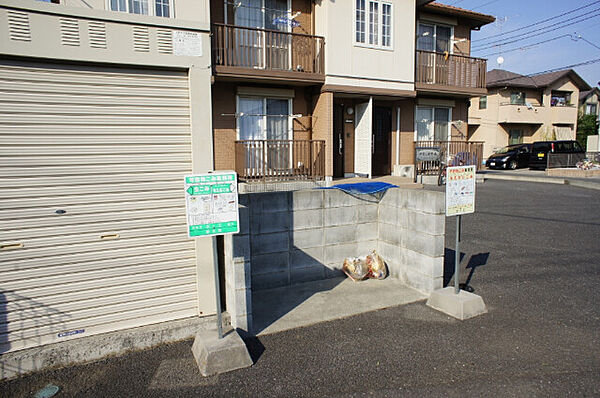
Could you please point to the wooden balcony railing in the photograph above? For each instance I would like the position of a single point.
(450, 70)
(461, 152)
(280, 160)
(239, 46)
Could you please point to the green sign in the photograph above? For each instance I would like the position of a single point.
(212, 204)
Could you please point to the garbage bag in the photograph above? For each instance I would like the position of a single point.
(356, 268)
(376, 266)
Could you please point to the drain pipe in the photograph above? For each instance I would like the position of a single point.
(397, 135)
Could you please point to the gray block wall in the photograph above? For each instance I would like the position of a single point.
(293, 237)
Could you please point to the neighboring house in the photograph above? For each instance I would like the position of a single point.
(589, 102)
(329, 89)
(521, 109)
(103, 113)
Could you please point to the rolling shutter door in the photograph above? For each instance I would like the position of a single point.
(109, 148)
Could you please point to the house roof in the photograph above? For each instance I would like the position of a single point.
(504, 78)
(472, 18)
(583, 95)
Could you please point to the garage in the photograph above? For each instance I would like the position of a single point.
(92, 216)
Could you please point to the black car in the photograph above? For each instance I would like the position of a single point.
(510, 157)
(540, 150)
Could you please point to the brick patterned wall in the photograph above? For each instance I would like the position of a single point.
(224, 133)
(460, 112)
(462, 48)
(407, 131)
(224, 127)
(323, 126)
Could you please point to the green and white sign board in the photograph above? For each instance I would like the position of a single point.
(211, 202)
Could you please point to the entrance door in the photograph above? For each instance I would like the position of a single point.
(515, 136)
(338, 140)
(382, 129)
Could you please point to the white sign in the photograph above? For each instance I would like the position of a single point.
(187, 43)
(211, 203)
(460, 190)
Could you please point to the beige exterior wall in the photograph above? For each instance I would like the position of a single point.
(350, 64)
(186, 10)
(539, 121)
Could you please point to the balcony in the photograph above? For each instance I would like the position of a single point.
(526, 114)
(264, 54)
(449, 73)
(280, 160)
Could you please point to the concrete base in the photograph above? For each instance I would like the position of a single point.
(463, 305)
(214, 355)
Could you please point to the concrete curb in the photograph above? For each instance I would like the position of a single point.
(93, 348)
(545, 180)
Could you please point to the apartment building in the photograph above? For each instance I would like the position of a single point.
(105, 107)
(522, 109)
(330, 89)
(589, 102)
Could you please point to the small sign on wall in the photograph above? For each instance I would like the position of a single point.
(187, 43)
(460, 190)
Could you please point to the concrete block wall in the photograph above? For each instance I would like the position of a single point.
(411, 236)
(293, 237)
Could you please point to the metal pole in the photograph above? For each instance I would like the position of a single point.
(217, 287)
(457, 257)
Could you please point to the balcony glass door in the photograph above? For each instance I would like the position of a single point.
(258, 48)
(266, 121)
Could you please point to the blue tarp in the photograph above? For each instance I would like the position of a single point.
(363, 187)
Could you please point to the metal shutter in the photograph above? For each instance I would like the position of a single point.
(110, 147)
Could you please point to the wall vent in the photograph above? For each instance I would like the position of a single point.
(69, 32)
(141, 39)
(18, 25)
(97, 34)
(164, 39)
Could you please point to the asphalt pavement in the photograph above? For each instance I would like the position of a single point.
(532, 251)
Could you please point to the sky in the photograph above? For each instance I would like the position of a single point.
(526, 59)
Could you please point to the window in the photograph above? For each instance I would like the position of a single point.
(483, 102)
(517, 98)
(591, 109)
(432, 123)
(515, 136)
(560, 98)
(434, 38)
(373, 24)
(264, 118)
(160, 8)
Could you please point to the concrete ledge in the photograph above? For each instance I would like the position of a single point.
(92, 348)
(215, 356)
(463, 305)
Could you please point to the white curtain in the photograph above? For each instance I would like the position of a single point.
(250, 121)
(424, 117)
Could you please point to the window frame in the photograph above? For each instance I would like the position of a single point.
(432, 131)
(523, 96)
(290, 132)
(568, 96)
(483, 100)
(589, 107)
(435, 26)
(151, 8)
(367, 24)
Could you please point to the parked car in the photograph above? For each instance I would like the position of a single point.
(510, 157)
(540, 150)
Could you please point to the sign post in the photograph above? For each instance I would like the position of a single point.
(460, 199)
(211, 202)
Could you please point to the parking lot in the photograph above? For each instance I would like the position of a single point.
(531, 250)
